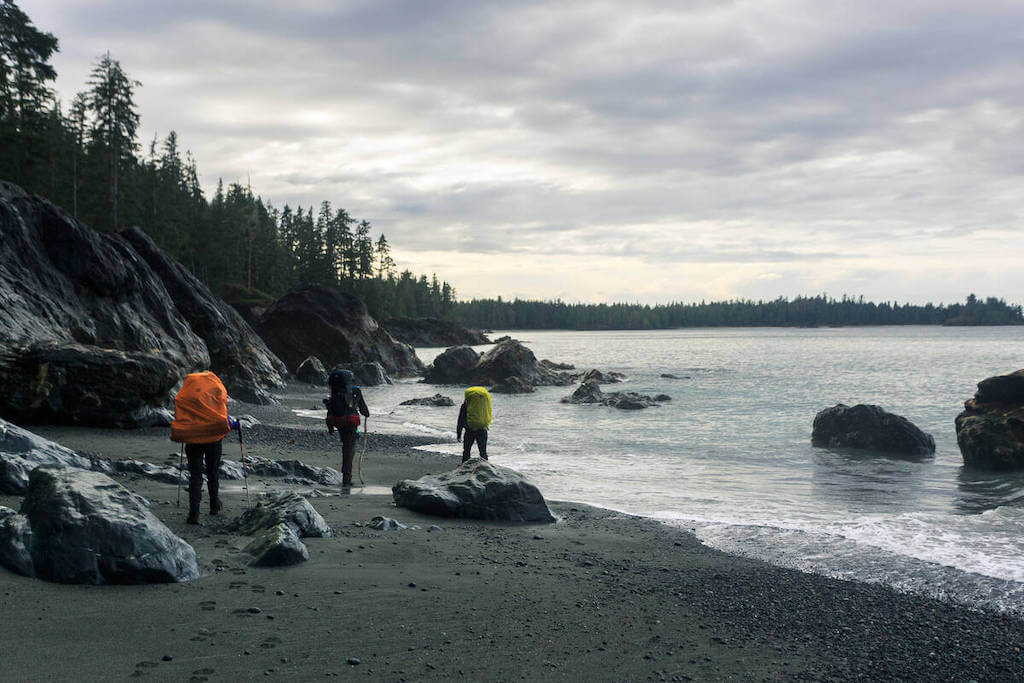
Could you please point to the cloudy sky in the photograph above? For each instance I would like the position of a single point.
(607, 151)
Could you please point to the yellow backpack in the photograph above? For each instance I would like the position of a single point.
(478, 408)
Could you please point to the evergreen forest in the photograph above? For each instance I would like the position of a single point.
(87, 158)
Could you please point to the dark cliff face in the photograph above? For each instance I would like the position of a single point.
(336, 328)
(249, 369)
(92, 333)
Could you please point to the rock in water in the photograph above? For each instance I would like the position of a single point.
(336, 328)
(432, 332)
(278, 546)
(452, 366)
(512, 385)
(475, 490)
(370, 374)
(87, 528)
(990, 430)
(282, 508)
(311, 371)
(239, 357)
(590, 392)
(437, 400)
(869, 427)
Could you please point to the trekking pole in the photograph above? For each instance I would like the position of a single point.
(245, 471)
(366, 435)
(181, 458)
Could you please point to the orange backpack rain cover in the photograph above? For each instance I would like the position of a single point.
(200, 410)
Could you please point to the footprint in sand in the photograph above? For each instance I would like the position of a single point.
(237, 570)
(220, 544)
(238, 584)
(270, 642)
(259, 589)
(208, 605)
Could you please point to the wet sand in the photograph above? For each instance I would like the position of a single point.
(597, 596)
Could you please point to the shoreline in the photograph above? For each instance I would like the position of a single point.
(601, 594)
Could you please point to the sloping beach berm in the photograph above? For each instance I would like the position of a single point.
(597, 596)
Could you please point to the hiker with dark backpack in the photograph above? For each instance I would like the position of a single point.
(343, 408)
(201, 422)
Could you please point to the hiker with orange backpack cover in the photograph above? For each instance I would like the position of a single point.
(201, 422)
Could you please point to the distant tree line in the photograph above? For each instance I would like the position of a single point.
(88, 160)
(782, 312)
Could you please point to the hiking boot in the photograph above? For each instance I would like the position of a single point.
(193, 518)
(216, 506)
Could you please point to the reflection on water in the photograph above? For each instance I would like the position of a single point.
(979, 491)
(869, 482)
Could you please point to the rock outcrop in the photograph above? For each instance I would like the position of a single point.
(590, 392)
(432, 332)
(277, 523)
(512, 385)
(476, 489)
(249, 370)
(91, 333)
(437, 400)
(507, 359)
(869, 427)
(83, 527)
(990, 430)
(336, 328)
(370, 374)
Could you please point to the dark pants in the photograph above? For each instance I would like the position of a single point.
(478, 435)
(348, 453)
(196, 454)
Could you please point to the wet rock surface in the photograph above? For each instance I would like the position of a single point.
(871, 428)
(476, 489)
(990, 430)
(513, 385)
(437, 400)
(87, 528)
(433, 332)
(336, 328)
(370, 374)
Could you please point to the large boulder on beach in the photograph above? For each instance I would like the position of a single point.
(90, 331)
(336, 328)
(477, 489)
(83, 527)
(871, 428)
(990, 430)
(282, 508)
(21, 451)
(15, 542)
(433, 332)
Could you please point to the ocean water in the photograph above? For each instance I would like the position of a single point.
(730, 456)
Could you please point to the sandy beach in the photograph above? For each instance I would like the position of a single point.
(597, 596)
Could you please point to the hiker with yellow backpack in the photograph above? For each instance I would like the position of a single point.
(475, 418)
(201, 422)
